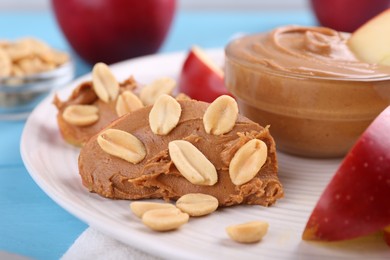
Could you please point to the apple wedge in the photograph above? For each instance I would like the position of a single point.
(200, 78)
(371, 41)
(356, 201)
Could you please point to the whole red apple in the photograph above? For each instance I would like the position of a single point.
(356, 201)
(347, 15)
(114, 30)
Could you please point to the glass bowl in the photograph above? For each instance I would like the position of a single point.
(310, 116)
(19, 95)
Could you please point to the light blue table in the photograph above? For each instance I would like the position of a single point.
(31, 224)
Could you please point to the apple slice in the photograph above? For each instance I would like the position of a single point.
(371, 42)
(200, 78)
(356, 201)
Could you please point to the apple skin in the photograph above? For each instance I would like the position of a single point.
(113, 30)
(346, 15)
(356, 201)
(200, 78)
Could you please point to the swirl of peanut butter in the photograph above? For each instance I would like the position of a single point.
(311, 51)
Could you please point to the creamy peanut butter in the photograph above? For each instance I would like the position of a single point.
(85, 95)
(156, 176)
(308, 86)
(313, 51)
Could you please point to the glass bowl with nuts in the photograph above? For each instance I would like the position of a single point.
(29, 70)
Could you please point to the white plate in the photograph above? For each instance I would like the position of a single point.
(52, 163)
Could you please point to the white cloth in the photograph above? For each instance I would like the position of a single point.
(92, 244)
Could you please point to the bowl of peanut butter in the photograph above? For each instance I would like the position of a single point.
(306, 83)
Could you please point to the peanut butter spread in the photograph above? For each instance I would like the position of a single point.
(312, 51)
(156, 175)
(85, 95)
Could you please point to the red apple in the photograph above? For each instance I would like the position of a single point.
(113, 30)
(200, 78)
(356, 201)
(346, 15)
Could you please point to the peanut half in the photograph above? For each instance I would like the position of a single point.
(164, 115)
(104, 83)
(197, 204)
(17, 71)
(151, 92)
(33, 65)
(18, 50)
(81, 115)
(122, 144)
(182, 96)
(27, 56)
(192, 163)
(221, 115)
(127, 102)
(247, 161)
(5, 64)
(36, 46)
(164, 219)
(249, 232)
(140, 207)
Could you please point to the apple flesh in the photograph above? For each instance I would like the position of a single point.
(200, 78)
(109, 31)
(356, 201)
(371, 42)
(346, 15)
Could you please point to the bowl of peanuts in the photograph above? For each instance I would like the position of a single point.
(29, 70)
